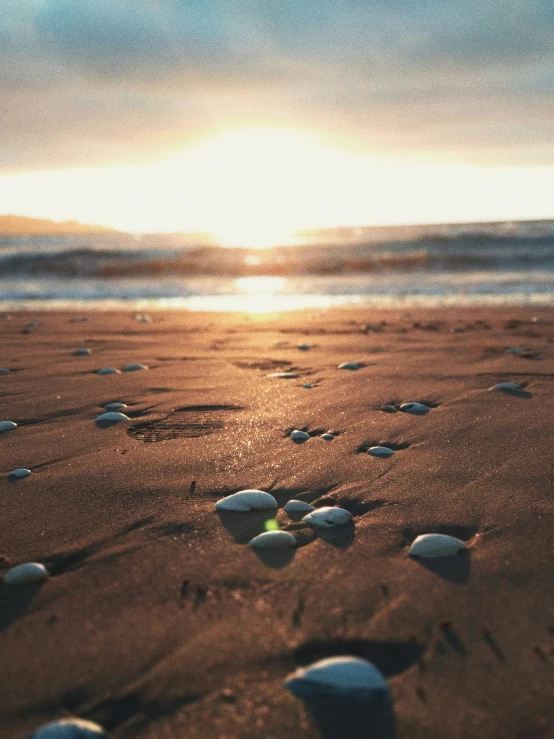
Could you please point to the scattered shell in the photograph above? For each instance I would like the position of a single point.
(111, 417)
(328, 516)
(516, 350)
(435, 545)
(134, 367)
(307, 385)
(284, 375)
(345, 677)
(26, 574)
(380, 451)
(69, 728)
(298, 506)
(298, 435)
(7, 426)
(506, 387)
(328, 436)
(304, 347)
(416, 409)
(115, 406)
(20, 473)
(350, 365)
(389, 408)
(4, 371)
(81, 352)
(247, 500)
(108, 371)
(273, 540)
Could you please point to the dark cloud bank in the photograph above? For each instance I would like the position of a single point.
(87, 82)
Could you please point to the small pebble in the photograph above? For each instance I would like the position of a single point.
(431, 546)
(350, 366)
(26, 574)
(298, 506)
(7, 426)
(506, 387)
(327, 436)
(307, 385)
(247, 500)
(111, 417)
(380, 451)
(4, 371)
(69, 728)
(108, 371)
(298, 435)
(515, 350)
(304, 347)
(20, 473)
(273, 540)
(81, 352)
(115, 406)
(341, 677)
(328, 517)
(134, 367)
(284, 375)
(416, 409)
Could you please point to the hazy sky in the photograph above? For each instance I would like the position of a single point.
(112, 83)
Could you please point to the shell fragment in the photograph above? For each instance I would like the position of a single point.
(247, 500)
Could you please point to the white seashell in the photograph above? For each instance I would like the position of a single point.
(380, 451)
(115, 406)
(69, 728)
(297, 435)
(416, 409)
(435, 545)
(4, 371)
(247, 500)
(108, 371)
(20, 473)
(273, 540)
(506, 387)
(26, 574)
(81, 352)
(284, 375)
(328, 516)
(328, 436)
(345, 677)
(112, 417)
(307, 385)
(304, 347)
(298, 506)
(7, 426)
(134, 367)
(350, 365)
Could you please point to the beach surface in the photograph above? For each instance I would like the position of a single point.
(158, 620)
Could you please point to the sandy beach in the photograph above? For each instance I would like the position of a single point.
(158, 620)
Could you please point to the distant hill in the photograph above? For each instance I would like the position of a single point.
(23, 226)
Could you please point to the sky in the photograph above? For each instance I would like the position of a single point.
(195, 114)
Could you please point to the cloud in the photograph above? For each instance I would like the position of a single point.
(115, 81)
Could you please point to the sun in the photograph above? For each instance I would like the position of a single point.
(257, 182)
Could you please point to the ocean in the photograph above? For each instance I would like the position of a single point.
(461, 264)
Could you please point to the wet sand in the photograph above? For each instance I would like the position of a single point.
(158, 620)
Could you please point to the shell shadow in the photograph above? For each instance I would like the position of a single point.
(347, 718)
(14, 601)
(519, 393)
(245, 526)
(455, 569)
(277, 559)
(340, 537)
